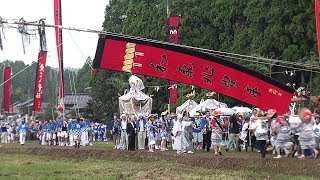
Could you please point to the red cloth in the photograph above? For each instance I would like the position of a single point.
(173, 37)
(213, 122)
(59, 43)
(192, 67)
(173, 93)
(280, 121)
(40, 81)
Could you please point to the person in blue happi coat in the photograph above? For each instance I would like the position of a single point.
(23, 129)
(78, 129)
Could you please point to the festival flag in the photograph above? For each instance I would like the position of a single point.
(185, 65)
(40, 80)
(41, 69)
(59, 43)
(6, 89)
(173, 37)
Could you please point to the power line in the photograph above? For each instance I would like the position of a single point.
(79, 48)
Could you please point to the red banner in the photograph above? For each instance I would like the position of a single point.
(6, 90)
(173, 34)
(317, 14)
(176, 63)
(40, 81)
(174, 92)
(58, 22)
(173, 37)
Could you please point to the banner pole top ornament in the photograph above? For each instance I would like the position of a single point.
(191, 95)
(211, 94)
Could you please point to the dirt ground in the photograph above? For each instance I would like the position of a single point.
(246, 161)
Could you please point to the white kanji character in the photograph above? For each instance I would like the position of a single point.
(39, 87)
(41, 69)
(38, 95)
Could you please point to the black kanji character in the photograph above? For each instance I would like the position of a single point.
(186, 70)
(228, 82)
(252, 91)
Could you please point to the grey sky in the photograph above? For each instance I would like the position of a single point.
(75, 13)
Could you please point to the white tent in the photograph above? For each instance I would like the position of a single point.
(186, 106)
(223, 105)
(242, 110)
(226, 111)
(207, 105)
(136, 101)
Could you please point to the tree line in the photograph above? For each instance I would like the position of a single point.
(283, 30)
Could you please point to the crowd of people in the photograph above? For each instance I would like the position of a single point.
(282, 135)
(59, 132)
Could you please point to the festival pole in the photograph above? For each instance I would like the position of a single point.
(41, 70)
(59, 42)
(173, 35)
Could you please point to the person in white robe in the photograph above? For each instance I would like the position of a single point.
(177, 131)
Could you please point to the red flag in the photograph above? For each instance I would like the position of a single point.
(58, 22)
(173, 37)
(173, 31)
(6, 89)
(176, 63)
(40, 80)
(173, 92)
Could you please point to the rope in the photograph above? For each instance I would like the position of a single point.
(17, 74)
(79, 48)
(28, 66)
(285, 64)
(268, 63)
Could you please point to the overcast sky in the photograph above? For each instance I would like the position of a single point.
(75, 13)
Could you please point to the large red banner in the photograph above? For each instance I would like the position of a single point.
(6, 89)
(317, 15)
(40, 81)
(176, 63)
(58, 22)
(173, 37)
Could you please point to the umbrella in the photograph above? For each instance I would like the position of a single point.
(226, 111)
(242, 110)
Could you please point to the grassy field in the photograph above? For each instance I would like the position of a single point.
(33, 161)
